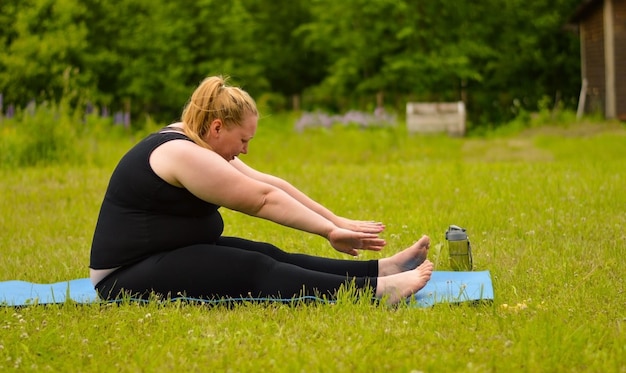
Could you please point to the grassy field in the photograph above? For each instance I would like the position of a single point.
(545, 210)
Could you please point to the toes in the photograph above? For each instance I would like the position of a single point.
(427, 265)
(424, 242)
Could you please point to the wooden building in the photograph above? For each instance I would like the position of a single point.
(602, 31)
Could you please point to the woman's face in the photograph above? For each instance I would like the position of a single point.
(230, 142)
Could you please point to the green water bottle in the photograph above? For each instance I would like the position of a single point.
(459, 249)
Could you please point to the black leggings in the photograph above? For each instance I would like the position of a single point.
(235, 268)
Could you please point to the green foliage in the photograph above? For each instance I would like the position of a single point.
(546, 116)
(46, 39)
(146, 56)
(54, 134)
(271, 103)
(45, 135)
(291, 65)
(395, 46)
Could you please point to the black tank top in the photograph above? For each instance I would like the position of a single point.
(142, 214)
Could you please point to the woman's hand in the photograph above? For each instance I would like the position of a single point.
(349, 242)
(359, 225)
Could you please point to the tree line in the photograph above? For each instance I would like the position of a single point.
(501, 57)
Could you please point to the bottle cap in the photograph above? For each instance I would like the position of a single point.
(456, 233)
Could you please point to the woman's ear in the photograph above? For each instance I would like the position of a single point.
(215, 127)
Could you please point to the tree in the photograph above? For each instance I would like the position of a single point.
(43, 50)
(500, 57)
(446, 50)
(401, 47)
(536, 58)
(289, 66)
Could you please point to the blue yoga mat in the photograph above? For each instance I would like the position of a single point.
(444, 287)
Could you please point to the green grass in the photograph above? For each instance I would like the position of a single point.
(545, 210)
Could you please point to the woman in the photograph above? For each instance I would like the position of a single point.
(159, 230)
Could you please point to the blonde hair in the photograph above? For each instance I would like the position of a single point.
(212, 100)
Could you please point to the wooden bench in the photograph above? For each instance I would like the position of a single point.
(435, 117)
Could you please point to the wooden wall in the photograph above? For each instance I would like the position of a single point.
(592, 32)
(619, 8)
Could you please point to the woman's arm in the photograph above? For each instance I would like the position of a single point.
(356, 225)
(211, 178)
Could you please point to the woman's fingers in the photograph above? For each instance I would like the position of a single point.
(375, 244)
(365, 226)
(350, 242)
(368, 226)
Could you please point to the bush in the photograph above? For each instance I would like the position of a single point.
(47, 134)
(380, 118)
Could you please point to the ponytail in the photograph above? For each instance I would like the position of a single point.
(212, 100)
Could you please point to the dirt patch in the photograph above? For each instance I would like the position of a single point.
(577, 130)
(523, 147)
(505, 150)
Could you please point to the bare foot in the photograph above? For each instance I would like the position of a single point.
(406, 259)
(404, 284)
